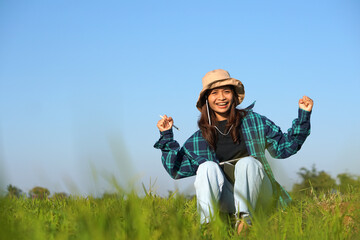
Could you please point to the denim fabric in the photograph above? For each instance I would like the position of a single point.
(252, 188)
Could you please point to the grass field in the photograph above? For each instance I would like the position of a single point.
(128, 216)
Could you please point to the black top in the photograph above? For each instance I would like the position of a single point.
(226, 149)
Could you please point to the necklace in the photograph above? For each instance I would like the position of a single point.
(224, 134)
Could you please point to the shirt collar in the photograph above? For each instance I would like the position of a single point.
(250, 107)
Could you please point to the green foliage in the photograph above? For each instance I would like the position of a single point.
(13, 191)
(312, 180)
(39, 192)
(348, 182)
(128, 216)
(60, 195)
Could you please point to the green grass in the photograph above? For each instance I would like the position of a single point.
(128, 216)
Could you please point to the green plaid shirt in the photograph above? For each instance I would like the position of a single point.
(259, 134)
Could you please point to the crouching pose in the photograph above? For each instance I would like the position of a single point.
(227, 153)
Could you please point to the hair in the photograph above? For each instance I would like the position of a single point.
(209, 132)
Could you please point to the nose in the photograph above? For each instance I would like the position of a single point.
(221, 95)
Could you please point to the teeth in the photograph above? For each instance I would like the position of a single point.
(222, 104)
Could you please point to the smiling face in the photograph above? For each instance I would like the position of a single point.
(220, 100)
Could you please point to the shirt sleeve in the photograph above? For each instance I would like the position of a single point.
(283, 145)
(177, 161)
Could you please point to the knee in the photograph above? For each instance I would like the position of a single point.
(207, 171)
(248, 163)
(207, 167)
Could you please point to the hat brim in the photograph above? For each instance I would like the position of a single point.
(239, 89)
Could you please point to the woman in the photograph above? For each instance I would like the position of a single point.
(232, 141)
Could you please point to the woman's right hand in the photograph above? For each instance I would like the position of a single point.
(165, 123)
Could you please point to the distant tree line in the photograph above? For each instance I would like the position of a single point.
(312, 181)
(35, 193)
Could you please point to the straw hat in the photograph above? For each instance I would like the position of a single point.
(219, 78)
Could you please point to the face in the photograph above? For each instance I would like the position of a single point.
(220, 100)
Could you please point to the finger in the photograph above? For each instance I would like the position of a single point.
(166, 118)
(309, 99)
(160, 125)
(163, 121)
(160, 122)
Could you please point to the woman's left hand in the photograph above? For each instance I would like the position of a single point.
(306, 103)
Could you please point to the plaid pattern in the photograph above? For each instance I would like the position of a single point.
(259, 134)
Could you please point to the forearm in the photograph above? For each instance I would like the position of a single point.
(174, 159)
(301, 126)
(283, 145)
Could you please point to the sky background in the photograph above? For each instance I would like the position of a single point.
(82, 84)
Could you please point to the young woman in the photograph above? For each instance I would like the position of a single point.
(227, 154)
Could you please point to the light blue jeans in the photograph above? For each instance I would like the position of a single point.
(252, 188)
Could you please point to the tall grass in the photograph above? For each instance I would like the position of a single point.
(129, 216)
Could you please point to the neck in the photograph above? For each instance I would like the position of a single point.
(221, 117)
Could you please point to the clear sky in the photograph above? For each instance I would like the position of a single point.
(82, 84)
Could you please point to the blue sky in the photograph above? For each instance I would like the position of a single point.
(82, 84)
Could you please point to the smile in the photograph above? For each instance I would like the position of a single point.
(222, 105)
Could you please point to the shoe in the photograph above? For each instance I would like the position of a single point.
(242, 226)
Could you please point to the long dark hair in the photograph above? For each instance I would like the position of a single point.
(209, 132)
